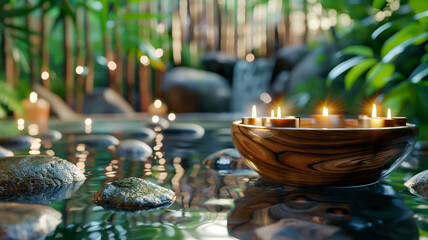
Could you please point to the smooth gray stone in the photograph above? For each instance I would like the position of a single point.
(32, 173)
(192, 90)
(17, 142)
(145, 134)
(418, 184)
(163, 124)
(50, 136)
(185, 131)
(96, 140)
(27, 221)
(133, 194)
(226, 159)
(4, 152)
(220, 62)
(135, 149)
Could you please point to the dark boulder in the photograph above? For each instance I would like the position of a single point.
(192, 90)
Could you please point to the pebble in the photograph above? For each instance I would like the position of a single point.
(188, 131)
(418, 184)
(226, 159)
(50, 136)
(17, 142)
(133, 148)
(34, 173)
(27, 221)
(146, 135)
(133, 194)
(97, 140)
(4, 152)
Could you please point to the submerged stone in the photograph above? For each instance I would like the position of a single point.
(146, 135)
(188, 131)
(133, 194)
(134, 149)
(226, 159)
(17, 142)
(27, 221)
(418, 184)
(4, 152)
(97, 140)
(32, 173)
(50, 136)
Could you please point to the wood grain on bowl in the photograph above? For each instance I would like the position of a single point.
(323, 157)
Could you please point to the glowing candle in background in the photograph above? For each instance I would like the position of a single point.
(328, 121)
(36, 109)
(171, 117)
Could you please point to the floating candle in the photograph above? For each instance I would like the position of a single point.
(253, 120)
(328, 121)
(287, 121)
(378, 122)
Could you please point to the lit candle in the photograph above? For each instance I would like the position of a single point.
(287, 121)
(253, 120)
(36, 109)
(378, 122)
(158, 108)
(328, 121)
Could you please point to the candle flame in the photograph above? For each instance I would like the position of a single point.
(254, 113)
(389, 115)
(374, 111)
(272, 113)
(278, 113)
(325, 111)
(33, 97)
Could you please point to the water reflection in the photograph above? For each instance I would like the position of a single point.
(269, 211)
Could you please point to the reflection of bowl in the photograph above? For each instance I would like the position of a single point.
(370, 212)
(323, 157)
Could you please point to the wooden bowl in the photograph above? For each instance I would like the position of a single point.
(309, 156)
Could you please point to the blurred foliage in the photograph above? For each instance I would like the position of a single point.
(382, 58)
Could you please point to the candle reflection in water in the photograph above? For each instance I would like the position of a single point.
(88, 125)
(20, 124)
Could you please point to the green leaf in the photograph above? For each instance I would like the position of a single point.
(419, 7)
(342, 67)
(401, 36)
(379, 4)
(419, 73)
(22, 29)
(419, 39)
(3, 113)
(378, 76)
(359, 50)
(424, 58)
(357, 70)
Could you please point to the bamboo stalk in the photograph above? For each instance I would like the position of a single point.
(130, 78)
(118, 59)
(80, 61)
(45, 46)
(9, 63)
(144, 72)
(89, 83)
(68, 61)
(31, 52)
